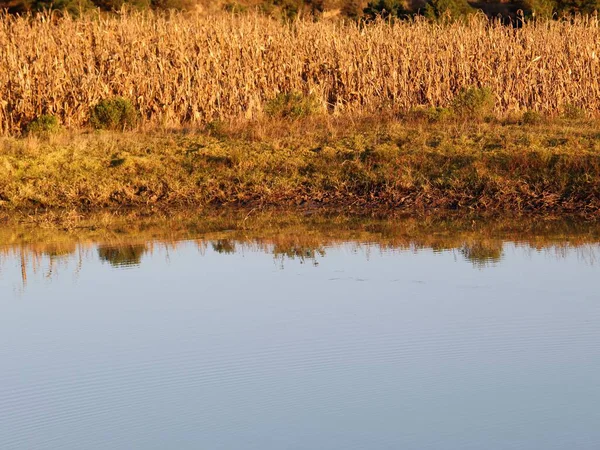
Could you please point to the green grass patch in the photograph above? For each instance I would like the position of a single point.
(369, 163)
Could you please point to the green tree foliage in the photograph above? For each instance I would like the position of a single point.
(451, 9)
(434, 9)
(116, 5)
(290, 9)
(75, 7)
(578, 6)
(385, 9)
(72, 6)
(540, 8)
(354, 9)
(559, 8)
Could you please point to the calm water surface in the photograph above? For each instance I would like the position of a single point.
(231, 345)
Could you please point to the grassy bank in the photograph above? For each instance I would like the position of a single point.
(190, 69)
(364, 164)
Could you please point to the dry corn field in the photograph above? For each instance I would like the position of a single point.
(189, 70)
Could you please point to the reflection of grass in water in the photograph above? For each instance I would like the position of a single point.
(122, 239)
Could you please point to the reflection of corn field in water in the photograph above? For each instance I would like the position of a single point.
(182, 69)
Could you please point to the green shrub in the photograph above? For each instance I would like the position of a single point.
(572, 112)
(43, 125)
(431, 114)
(216, 128)
(474, 102)
(532, 118)
(116, 113)
(292, 105)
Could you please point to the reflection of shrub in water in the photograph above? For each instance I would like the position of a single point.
(225, 246)
(298, 252)
(483, 253)
(126, 255)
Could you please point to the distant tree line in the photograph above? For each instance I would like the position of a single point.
(457, 8)
(353, 9)
(77, 6)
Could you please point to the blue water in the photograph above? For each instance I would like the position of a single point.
(358, 348)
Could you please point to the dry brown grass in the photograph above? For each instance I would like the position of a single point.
(192, 69)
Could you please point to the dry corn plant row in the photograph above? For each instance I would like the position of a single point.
(186, 69)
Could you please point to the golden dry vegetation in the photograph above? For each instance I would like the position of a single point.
(191, 69)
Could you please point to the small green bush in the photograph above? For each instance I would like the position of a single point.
(431, 114)
(216, 128)
(474, 102)
(292, 105)
(116, 113)
(572, 112)
(43, 125)
(532, 118)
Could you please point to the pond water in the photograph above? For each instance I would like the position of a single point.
(301, 340)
